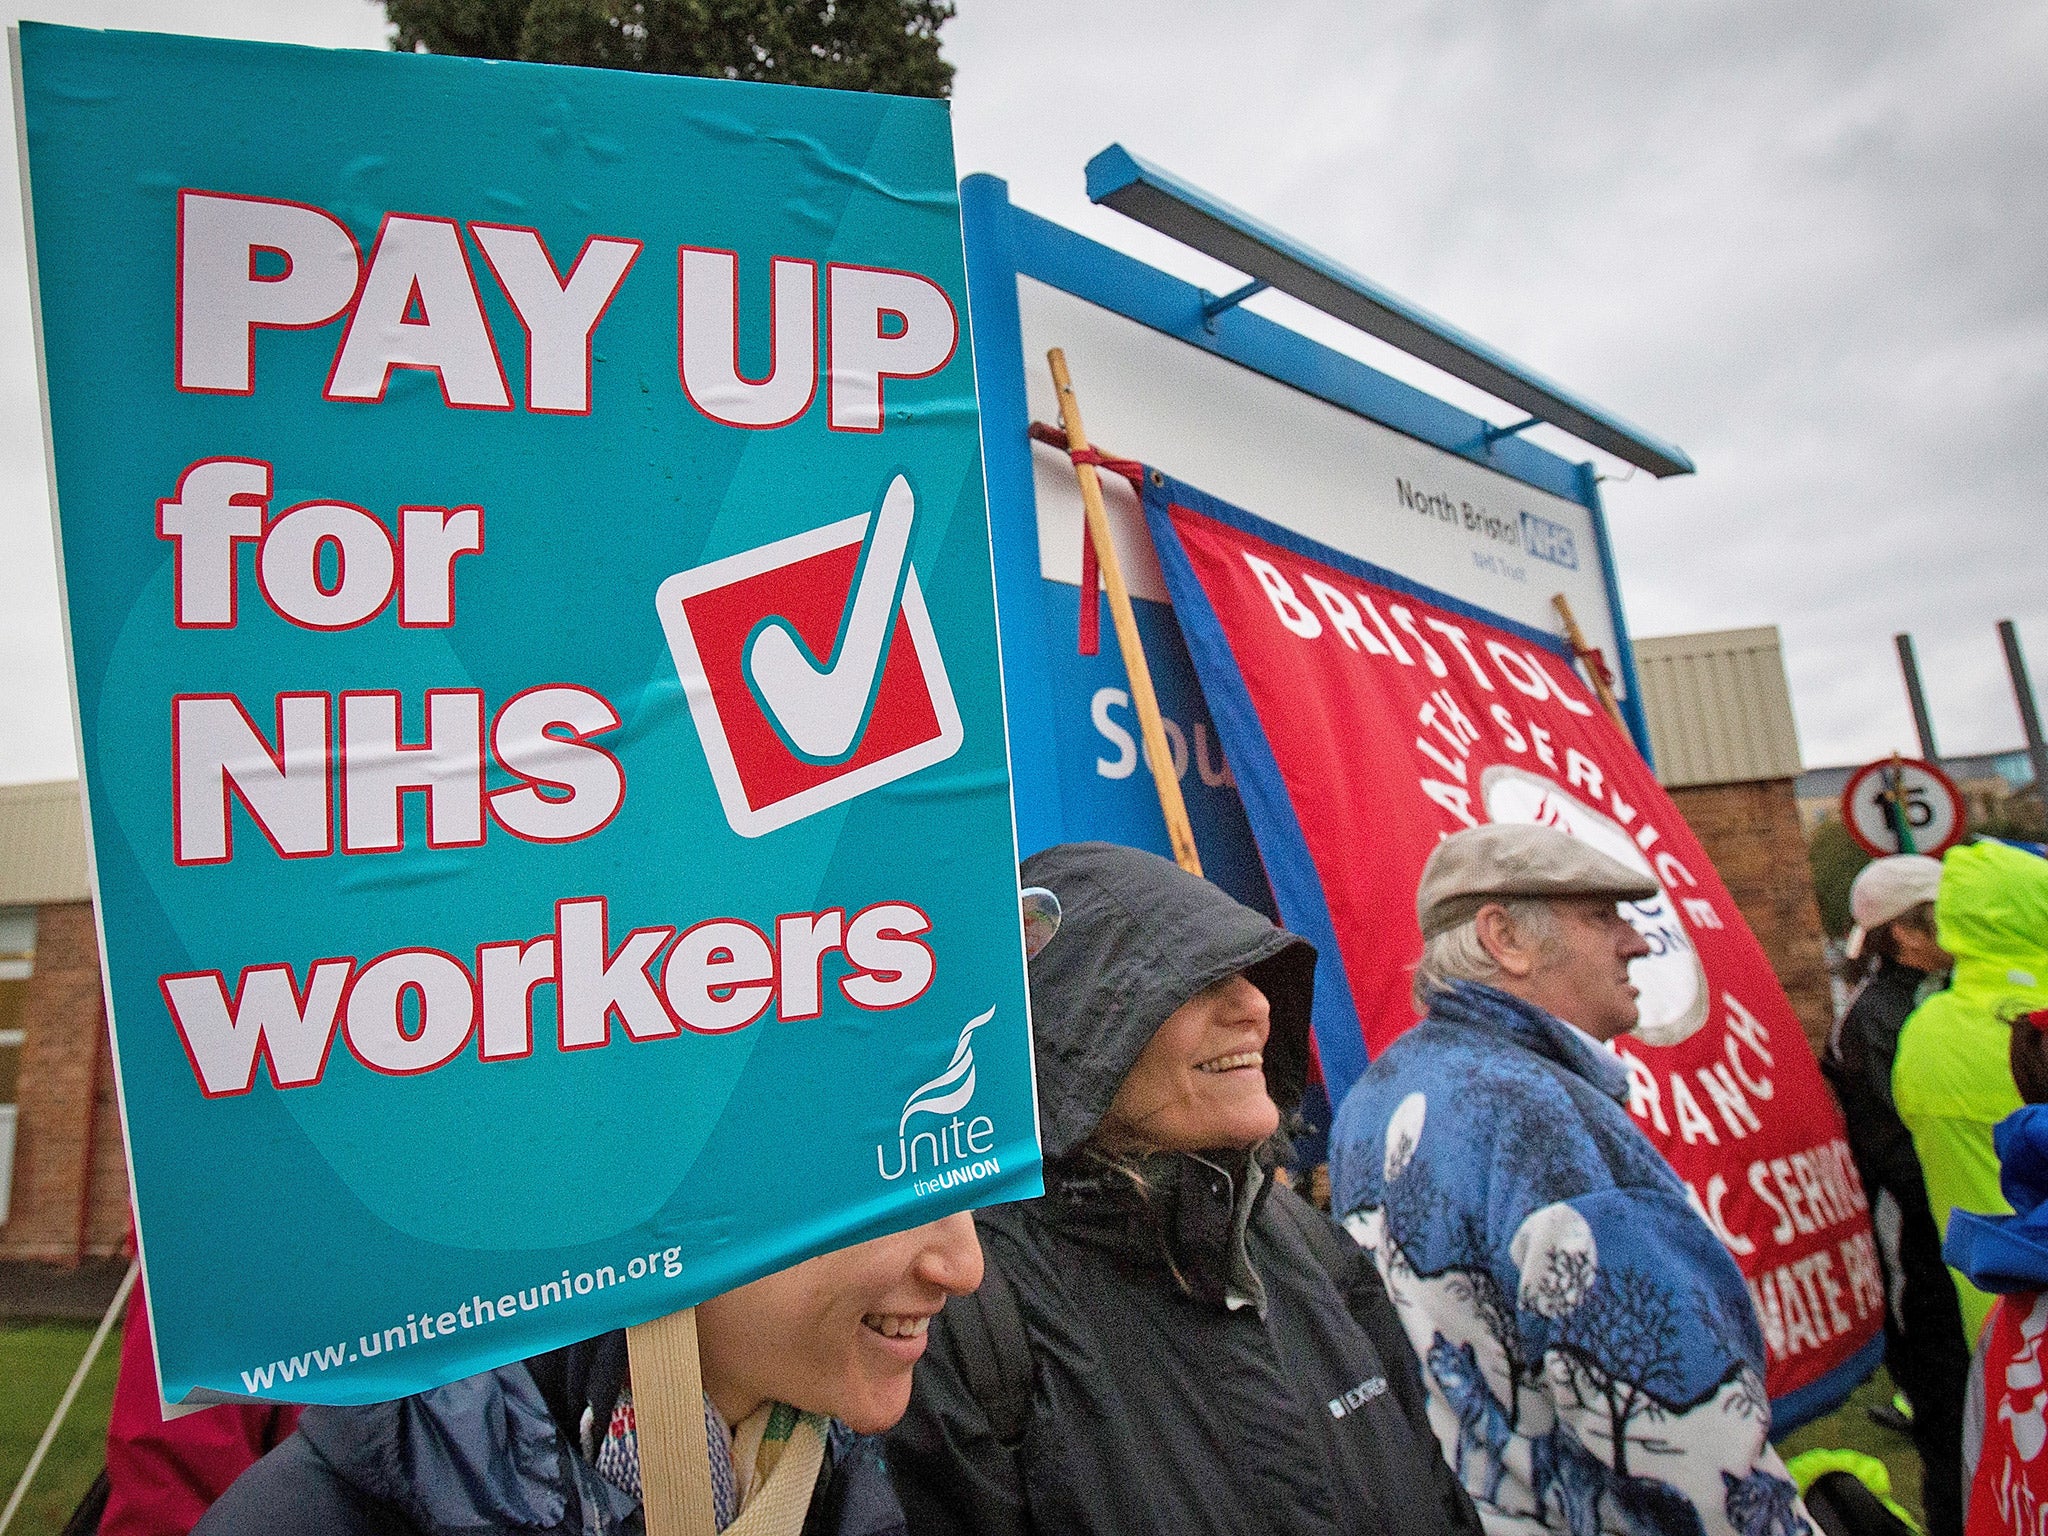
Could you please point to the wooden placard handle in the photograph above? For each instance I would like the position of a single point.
(668, 1412)
(1577, 641)
(1179, 831)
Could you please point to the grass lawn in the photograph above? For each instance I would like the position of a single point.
(36, 1362)
(1849, 1428)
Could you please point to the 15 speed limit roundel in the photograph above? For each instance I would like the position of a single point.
(1927, 799)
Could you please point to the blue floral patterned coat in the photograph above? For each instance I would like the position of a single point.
(1590, 1349)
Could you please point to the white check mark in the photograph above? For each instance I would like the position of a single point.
(821, 710)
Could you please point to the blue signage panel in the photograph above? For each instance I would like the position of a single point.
(529, 594)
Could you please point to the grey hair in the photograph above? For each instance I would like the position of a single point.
(1457, 955)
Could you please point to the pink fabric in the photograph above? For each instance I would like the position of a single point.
(163, 1476)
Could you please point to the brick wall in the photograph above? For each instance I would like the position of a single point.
(1752, 833)
(70, 1199)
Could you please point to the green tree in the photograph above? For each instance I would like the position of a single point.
(851, 45)
(2020, 816)
(1836, 859)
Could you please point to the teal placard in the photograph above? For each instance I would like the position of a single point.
(527, 572)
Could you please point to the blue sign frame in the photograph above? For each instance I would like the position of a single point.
(1005, 242)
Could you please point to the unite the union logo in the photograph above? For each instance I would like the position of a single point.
(956, 1150)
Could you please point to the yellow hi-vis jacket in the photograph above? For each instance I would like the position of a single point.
(1953, 1080)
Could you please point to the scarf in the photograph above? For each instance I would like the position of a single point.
(762, 1474)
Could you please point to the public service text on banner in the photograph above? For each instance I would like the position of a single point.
(1367, 717)
(527, 577)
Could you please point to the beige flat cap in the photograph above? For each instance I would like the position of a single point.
(1506, 860)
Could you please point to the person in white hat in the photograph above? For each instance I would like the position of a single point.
(1892, 903)
(1590, 1349)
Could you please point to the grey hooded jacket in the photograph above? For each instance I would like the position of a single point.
(1158, 1405)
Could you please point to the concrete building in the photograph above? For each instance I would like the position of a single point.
(63, 1178)
(1721, 730)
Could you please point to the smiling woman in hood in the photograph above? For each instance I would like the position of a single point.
(1138, 940)
(1189, 1346)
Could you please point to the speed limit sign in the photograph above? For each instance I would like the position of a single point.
(1882, 795)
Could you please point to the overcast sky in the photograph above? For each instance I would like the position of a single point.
(1807, 243)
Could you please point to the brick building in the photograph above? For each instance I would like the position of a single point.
(1721, 729)
(63, 1178)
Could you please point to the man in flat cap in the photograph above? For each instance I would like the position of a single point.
(1589, 1347)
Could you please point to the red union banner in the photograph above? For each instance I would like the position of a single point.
(1366, 718)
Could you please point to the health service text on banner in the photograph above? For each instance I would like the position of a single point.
(528, 586)
(1367, 717)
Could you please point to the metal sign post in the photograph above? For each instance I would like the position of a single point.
(2023, 695)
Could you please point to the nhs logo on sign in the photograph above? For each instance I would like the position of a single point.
(1549, 541)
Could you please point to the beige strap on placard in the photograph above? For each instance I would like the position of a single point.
(668, 1411)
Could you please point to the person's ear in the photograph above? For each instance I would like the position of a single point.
(2028, 1059)
(1502, 940)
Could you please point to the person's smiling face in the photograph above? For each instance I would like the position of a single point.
(839, 1333)
(1200, 1082)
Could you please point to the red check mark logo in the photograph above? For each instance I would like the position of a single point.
(811, 667)
(821, 710)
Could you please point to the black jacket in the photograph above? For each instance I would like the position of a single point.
(495, 1455)
(1156, 1404)
(1926, 1350)
(1859, 1062)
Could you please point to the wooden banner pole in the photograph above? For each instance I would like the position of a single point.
(1577, 641)
(1895, 794)
(1178, 829)
(668, 1413)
